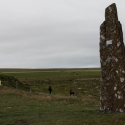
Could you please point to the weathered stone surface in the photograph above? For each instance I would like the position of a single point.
(112, 59)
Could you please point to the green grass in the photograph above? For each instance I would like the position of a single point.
(23, 108)
(38, 107)
(55, 75)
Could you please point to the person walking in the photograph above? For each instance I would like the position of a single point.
(50, 89)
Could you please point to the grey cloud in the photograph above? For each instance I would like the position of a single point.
(50, 34)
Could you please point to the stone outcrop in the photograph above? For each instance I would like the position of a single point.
(112, 59)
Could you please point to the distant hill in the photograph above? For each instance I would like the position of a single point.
(42, 69)
(13, 82)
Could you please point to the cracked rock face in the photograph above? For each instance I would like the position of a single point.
(112, 59)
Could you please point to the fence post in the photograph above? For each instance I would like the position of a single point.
(16, 85)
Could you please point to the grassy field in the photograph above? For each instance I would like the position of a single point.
(38, 107)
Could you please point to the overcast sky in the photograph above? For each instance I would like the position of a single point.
(52, 33)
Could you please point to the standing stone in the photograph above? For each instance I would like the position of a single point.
(112, 59)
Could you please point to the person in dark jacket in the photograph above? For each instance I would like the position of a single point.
(50, 89)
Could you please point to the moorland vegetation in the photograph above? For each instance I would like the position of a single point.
(25, 99)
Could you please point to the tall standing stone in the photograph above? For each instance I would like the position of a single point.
(112, 59)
